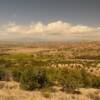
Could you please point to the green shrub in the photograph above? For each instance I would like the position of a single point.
(16, 73)
(75, 79)
(43, 79)
(53, 75)
(33, 79)
(28, 80)
(5, 74)
(90, 80)
(2, 74)
(86, 79)
(95, 82)
(71, 80)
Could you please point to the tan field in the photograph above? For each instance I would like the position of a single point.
(53, 56)
(11, 91)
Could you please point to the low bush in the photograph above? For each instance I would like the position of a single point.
(95, 82)
(5, 74)
(71, 80)
(16, 74)
(2, 75)
(34, 79)
(86, 78)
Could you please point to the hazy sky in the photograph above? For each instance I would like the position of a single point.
(50, 19)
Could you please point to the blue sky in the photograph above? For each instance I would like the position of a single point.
(80, 14)
(74, 11)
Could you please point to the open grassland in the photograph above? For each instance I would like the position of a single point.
(50, 71)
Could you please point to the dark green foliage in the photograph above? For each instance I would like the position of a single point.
(42, 78)
(2, 75)
(71, 80)
(5, 75)
(86, 79)
(75, 79)
(34, 79)
(95, 82)
(16, 73)
(90, 80)
(28, 80)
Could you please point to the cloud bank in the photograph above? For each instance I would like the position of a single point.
(52, 31)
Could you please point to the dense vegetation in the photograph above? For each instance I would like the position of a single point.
(32, 78)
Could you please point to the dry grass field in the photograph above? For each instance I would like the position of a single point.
(56, 57)
(11, 91)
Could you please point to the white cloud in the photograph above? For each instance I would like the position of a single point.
(54, 27)
(58, 28)
(81, 29)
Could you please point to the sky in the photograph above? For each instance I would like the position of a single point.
(50, 20)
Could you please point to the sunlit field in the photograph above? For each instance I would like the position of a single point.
(51, 71)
